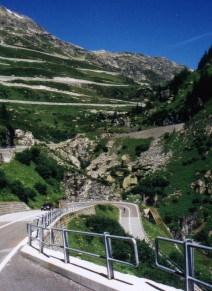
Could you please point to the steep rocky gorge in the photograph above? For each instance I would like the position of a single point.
(106, 175)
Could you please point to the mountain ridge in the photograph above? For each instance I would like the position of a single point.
(17, 29)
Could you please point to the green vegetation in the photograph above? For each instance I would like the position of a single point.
(151, 186)
(55, 123)
(132, 147)
(47, 65)
(7, 132)
(32, 178)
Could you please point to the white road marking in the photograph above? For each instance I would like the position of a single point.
(12, 253)
(5, 250)
(26, 217)
(129, 219)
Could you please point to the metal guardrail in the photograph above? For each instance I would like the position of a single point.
(46, 219)
(188, 274)
(37, 232)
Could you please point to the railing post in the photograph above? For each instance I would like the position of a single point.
(65, 246)
(29, 234)
(108, 252)
(43, 221)
(41, 238)
(51, 236)
(189, 265)
(51, 216)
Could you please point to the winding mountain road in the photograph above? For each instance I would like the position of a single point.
(130, 220)
(67, 104)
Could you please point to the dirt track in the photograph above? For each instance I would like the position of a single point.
(152, 132)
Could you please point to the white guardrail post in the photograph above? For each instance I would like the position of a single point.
(188, 265)
(65, 246)
(108, 252)
(188, 273)
(41, 238)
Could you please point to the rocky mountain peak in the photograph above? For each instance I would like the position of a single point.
(10, 20)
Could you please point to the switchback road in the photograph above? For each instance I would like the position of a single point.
(130, 220)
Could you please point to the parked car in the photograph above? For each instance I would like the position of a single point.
(47, 206)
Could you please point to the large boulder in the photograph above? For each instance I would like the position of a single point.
(25, 138)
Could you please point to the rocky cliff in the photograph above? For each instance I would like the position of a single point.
(141, 68)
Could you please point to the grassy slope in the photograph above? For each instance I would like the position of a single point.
(28, 176)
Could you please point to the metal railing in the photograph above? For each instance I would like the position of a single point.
(188, 273)
(39, 235)
(47, 218)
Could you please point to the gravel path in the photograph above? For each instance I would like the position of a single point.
(65, 104)
(152, 132)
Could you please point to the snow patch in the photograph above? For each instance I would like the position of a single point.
(8, 10)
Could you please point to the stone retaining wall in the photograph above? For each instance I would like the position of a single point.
(10, 207)
(62, 222)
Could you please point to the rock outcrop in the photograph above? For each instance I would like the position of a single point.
(25, 138)
(141, 68)
(203, 185)
(80, 188)
(108, 174)
(75, 151)
(154, 158)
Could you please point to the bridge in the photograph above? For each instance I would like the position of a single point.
(17, 272)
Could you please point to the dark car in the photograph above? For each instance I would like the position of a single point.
(47, 206)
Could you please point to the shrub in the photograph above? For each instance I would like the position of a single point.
(41, 188)
(101, 224)
(141, 148)
(3, 180)
(48, 168)
(24, 157)
(24, 194)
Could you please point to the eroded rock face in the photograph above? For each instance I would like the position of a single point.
(75, 151)
(25, 138)
(79, 188)
(203, 185)
(154, 158)
(185, 226)
(129, 181)
(110, 174)
(138, 66)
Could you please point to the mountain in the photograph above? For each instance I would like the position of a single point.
(93, 131)
(19, 30)
(88, 110)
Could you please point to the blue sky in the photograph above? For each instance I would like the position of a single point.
(180, 30)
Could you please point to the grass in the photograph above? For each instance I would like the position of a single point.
(15, 171)
(182, 171)
(57, 123)
(52, 66)
(131, 146)
(81, 242)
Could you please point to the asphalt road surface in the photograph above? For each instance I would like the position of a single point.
(130, 220)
